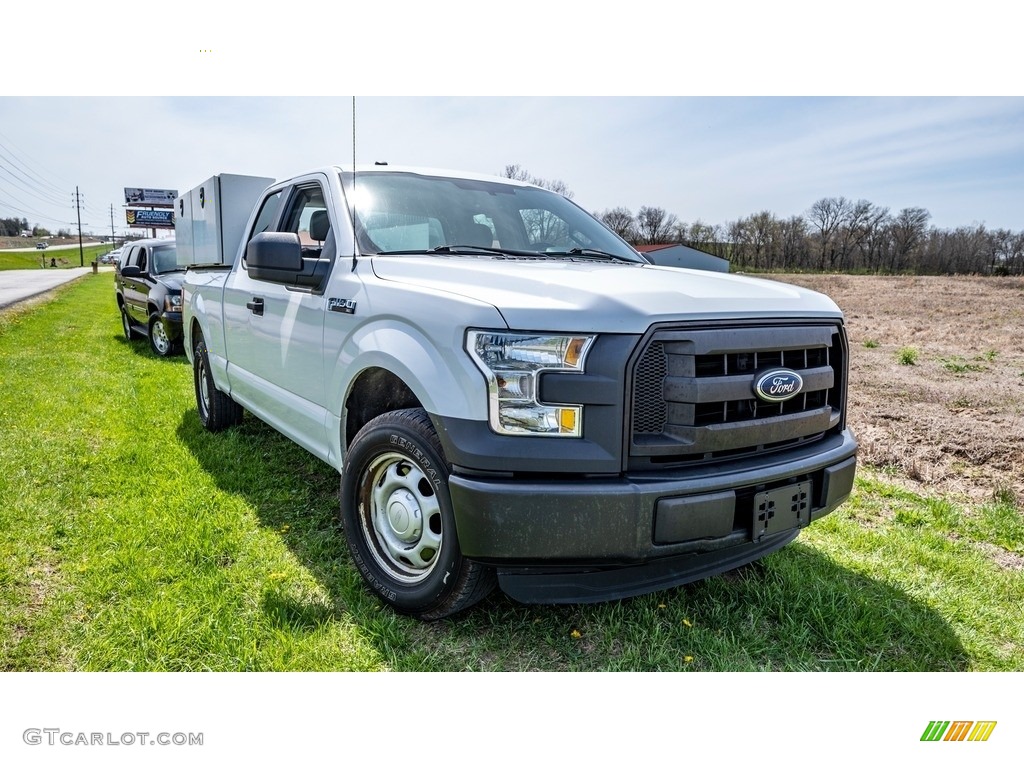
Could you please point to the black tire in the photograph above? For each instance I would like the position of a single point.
(159, 340)
(399, 523)
(217, 411)
(126, 325)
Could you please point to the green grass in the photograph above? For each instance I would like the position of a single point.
(130, 539)
(870, 344)
(32, 260)
(957, 364)
(907, 356)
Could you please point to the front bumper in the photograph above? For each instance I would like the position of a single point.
(595, 538)
(172, 322)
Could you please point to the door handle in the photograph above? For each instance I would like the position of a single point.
(255, 306)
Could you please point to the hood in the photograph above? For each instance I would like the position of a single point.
(608, 297)
(172, 280)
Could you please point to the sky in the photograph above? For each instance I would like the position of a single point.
(712, 113)
(714, 159)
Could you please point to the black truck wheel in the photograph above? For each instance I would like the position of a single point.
(398, 519)
(126, 325)
(217, 411)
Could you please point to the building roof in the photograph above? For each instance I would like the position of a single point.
(679, 255)
(655, 247)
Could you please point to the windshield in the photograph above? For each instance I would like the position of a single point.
(409, 212)
(164, 260)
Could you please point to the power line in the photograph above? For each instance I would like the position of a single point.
(24, 172)
(43, 195)
(33, 213)
(25, 165)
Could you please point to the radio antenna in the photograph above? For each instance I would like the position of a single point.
(352, 202)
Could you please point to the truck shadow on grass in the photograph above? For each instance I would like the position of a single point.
(795, 610)
(141, 348)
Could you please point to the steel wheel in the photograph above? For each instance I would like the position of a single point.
(399, 521)
(401, 517)
(202, 389)
(217, 411)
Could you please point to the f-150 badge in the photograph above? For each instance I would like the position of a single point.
(346, 306)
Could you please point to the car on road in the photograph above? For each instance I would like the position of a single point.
(147, 284)
(42, 246)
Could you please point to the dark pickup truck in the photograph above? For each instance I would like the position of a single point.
(148, 288)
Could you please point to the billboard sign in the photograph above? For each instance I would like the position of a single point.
(141, 196)
(158, 219)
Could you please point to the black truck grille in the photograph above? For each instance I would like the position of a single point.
(693, 391)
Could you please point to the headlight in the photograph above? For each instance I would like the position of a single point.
(172, 303)
(512, 364)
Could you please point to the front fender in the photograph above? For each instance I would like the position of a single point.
(441, 375)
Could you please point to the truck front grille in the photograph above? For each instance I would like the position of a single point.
(693, 391)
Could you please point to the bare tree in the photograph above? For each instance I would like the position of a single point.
(655, 225)
(877, 241)
(851, 233)
(737, 237)
(908, 229)
(826, 216)
(762, 232)
(794, 250)
(708, 238)
(1000, 251)
(621, 222)
(516, 172)
(1014, 264)
(555, 185)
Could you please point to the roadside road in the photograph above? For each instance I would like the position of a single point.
(20, 284)
(41, 251)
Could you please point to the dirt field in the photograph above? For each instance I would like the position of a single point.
(950, 421)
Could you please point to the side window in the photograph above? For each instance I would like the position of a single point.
(267, 214)
(142, 259)
(129, 257)
(307, 216)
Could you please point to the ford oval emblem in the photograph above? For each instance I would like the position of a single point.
(778, 386)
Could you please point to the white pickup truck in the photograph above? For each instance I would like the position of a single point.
(511, 393)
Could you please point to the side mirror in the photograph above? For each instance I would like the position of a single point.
(274, 256)
(131, 271)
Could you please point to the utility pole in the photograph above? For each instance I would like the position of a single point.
(113, 237)
(78, 212)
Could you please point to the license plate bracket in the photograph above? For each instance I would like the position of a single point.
(781, 509)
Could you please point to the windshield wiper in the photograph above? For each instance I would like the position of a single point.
(486, 250)
(592, 253)
(479, 249)
(462, 249)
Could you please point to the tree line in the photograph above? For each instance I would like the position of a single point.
(14, 228)
(835, 234)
